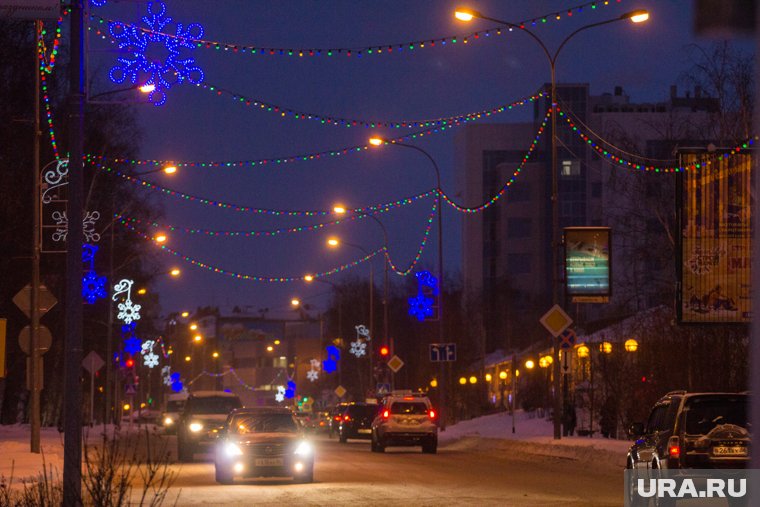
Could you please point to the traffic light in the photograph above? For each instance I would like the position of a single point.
(384, 351)
(129, 363)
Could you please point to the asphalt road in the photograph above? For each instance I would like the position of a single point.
(463, 473)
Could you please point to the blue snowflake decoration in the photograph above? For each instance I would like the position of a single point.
(426, 279)
(128, 329)
(93, 287)
(132, 345)
(98, 3)
(141, 68)
(290, 391)
(177, 385)
(420, 307)
(330, 364)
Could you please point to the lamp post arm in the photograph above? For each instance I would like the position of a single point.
(432, 161)
(522, 29)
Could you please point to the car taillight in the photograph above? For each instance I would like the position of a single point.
(431, 413)
(346, 417)
(386, 414)
(674, 447)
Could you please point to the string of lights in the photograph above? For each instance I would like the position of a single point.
(286, 112)
(359, 51)
(249, 277)
(502, 191)
(231, 371)
(47, 64)
(246, 233)
(420, 249)
(100, 159)
(625, 163)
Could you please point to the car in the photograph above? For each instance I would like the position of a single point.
(321, 421)
(356, 421)
(169, 417)
(405, 419)
(335, 414)
(303, 419)
(263, 442)
(204, 414)
(690, 431)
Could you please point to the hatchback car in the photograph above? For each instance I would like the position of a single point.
(263, 442)
(405, 420)
(356, 421)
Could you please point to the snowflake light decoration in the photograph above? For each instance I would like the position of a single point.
(150, 360)
(147, 347)
(426, 279)
(362, 332)
(420, 307)
(166, 375)
(128, 312)
(312, 375)
(330, 364)
(138, 66)
(290, 392)
(132, 345)
(358, 348)
(280, 396)
(176, 383)
(93, 287)
(314, 364)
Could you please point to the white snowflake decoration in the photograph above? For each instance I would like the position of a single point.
(362, 332)
(312, 375)
(358, 348)
(280, 396)
(128, 312)
(150, 360)
(147, 346)
(166, 373)
(315, 364)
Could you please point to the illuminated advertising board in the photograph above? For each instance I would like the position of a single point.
(588, 264)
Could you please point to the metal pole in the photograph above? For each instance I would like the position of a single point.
(34, 360)
(370, 352)
(754, 365)
(555, 257)
(110, 413)
(72, 453)
(514, 389)
(92, 397)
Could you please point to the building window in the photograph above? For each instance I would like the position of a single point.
(518, 227)
(519, 263)
(571, 168)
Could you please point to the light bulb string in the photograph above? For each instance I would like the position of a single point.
(420, 249)
(359, 51)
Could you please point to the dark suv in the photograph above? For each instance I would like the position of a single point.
(204, 414)
(693, 430)
(336, 413)
(356, 421)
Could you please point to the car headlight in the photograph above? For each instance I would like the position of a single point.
(231, 449)
(195, 427)
(304, 448)
(168, 421)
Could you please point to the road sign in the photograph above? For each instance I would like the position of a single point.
(45, 300)
(25, 339)
(395, 363)
(92, 362)
(567, 338)
(443, 352)
(382, 388)
(556, 320)
(130, 389)
(340, 391)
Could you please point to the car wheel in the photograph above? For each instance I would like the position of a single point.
(305, 478)
(223, 475)
(431, 446)
(379, 444)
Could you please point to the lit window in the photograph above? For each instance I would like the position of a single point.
(571, 168)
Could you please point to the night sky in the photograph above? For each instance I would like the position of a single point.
(430, 82)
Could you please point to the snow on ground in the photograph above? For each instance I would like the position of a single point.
(18, 462)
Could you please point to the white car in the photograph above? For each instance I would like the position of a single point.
(405, 419)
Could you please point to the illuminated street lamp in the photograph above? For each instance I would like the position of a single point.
(473, 379)
(295, 302)
(462, 380)
(160, 238)
(197, 338)
(582, 351)
(637, 16)
(185, 314)
(193, 326)
(530, 364)
(631, 345)
(175, 272)
(488, 377)
(605, 347)
(503, 375)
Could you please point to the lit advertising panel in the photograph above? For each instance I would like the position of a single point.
(587, 264)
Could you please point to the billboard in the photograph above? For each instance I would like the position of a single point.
(716, 230)
(30, 9)
(587, 264)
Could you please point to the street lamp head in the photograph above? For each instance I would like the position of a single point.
(308, 278)
(193, 326)
(638, 16)
(582, 351)
(631, 345)
(198, 338)
(175, 272)
(170, 169)
(185, 314)
(160, 238)
(465, 14)
(339, 209)
(215, 355)
(295, 302)
(142, 291)
(147, 88)
(503, 375)
(333, 242)
(376, 141)
(530, 364)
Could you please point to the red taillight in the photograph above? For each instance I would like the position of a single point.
(336, 418)
(386, 414)
(346, 417)
(431, 413)
(674, 448)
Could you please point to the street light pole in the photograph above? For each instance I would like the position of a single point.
(635, 16)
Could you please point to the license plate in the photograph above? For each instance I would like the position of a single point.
(730, 451)
(268, 462)
(365, 430)
(410, 421)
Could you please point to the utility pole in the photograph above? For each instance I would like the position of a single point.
(34, 311)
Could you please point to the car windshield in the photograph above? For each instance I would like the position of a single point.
(212, 405)
(409, 407)
(706, 413)
(263, 423)
(175, 405)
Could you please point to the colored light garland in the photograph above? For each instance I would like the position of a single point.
(378, 49)
(286, 112)
(47, 64)
(420, 249)
(628, 164)
(502, 191)
(256, 278)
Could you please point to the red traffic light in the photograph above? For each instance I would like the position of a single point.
(384, 351)
(129, 363)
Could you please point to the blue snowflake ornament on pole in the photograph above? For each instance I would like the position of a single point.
(93, 286)
(420, 307)
(141, 68)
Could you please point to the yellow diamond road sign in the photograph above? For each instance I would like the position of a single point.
(340, 391)
(395, 363)
(556, 320)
